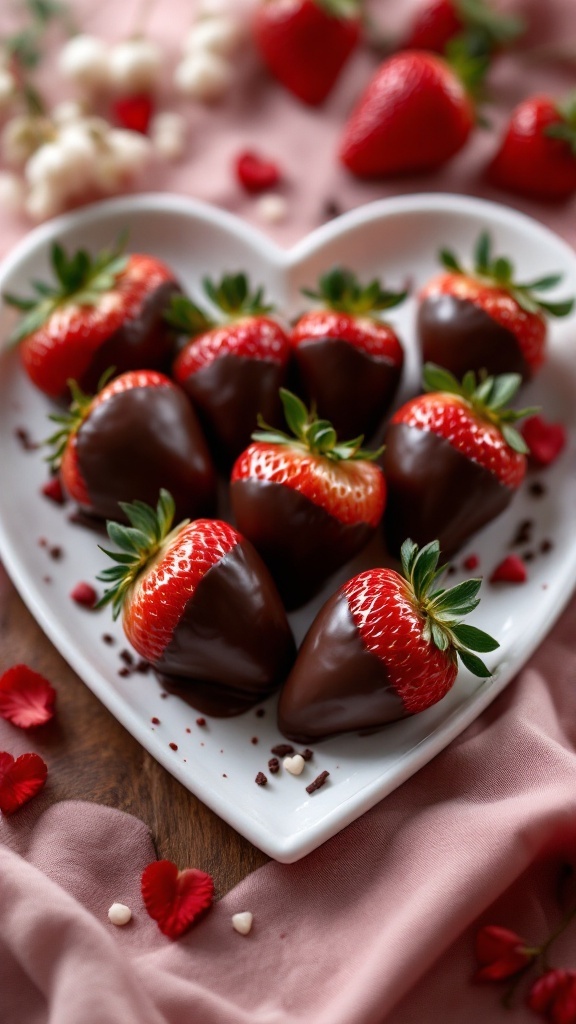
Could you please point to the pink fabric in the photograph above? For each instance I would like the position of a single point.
(378, 924)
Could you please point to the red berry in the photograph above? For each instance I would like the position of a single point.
(305, 43)
(134, 112)
(471, 562)
(414, 115)
(256, 174)
(510, 570)
(545, 440)
(20, 780)
(436, 22)
(52, 489)
(553, 996)
(84, 594)
(537, 154)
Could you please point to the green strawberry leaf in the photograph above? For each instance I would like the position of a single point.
(474, 638)
(474, 664)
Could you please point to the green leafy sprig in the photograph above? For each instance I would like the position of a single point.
(69, 422)
(565, 130)
(486, 29)
(487, 396)
(149, 530)
(499, 271)
(443, 609)
(340, 290)
(80, 280)
(343, 9)
(310, 434)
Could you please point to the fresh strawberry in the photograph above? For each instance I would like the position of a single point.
(537, 154)
(483, 319)
(306, 501)
(349, 361)
(305, 43)
(134, 112)
(452, 459)
(383, 647)
(199, 605)
(232, 371)
(137, 434)
(415, 114)
(438, 22)
(101, 312)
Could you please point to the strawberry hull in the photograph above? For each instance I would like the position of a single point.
(460, 336)
(434, 491)
(143, 341)
(138, 441)
(351, 388)
(336, 685)
(300, 542)
(233, 645)
(228, 394)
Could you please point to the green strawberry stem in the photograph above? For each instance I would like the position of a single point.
(487, 396)
(80, 280)
(485, 29)
(499, 272)
(310, 434)
(344, 9)
(340, 290)
(565, 130)
(443, 609)
(149, 531)
(231, 295)
(70, 421)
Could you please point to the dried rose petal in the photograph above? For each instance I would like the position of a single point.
(256, 174)
(501, 953)
(173, 898)
(545, 440)
(510, 570)
(20, 780)
(134, 112)
(26, 698)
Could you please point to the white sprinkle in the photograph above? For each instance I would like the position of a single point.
(119, 914)
(242, 923)
(294, 765)
(272, 207)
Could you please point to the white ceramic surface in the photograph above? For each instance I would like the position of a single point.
(397, 239)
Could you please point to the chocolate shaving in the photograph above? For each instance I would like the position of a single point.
(318, 782)
(274, 765)
(307, 754)
(282, 749)
(25, 440)
(260, 779)
(537, 489)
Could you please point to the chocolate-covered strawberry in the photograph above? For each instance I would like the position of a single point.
(101, 311)
(307, 501)
(198, 603)
(452, 459)
(483, 319)
(349, 361)
(138, 434)
(384, 647)
(231, 370)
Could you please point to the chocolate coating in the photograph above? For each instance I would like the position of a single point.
(460, 336)
(301, 543)
(351, 388)
(233, 645)
(228, 394)
(145, 342)
(435, 492)
(140, 440)
(336, 685)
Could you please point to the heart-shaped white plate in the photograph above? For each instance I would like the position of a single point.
(397, 239)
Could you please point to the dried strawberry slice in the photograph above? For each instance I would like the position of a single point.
(510, 570)
(20, 780)
(545, 440)
(26, 698)
(134, 112)
(256, 174)
(173, 898)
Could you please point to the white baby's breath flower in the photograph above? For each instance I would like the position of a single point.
(168, 134)
(12, 191)
(85, 61)
(135, 65)
(222, 35)
(203, 76)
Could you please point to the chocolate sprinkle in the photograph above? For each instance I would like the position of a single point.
(108, 638)
(155, 721)
(254, 740)
(537, 489)
(282, 749)
(173, 746)
(126, 657)
(318, 782)
(124, 671)
(201, 722)
(260, 713)
(546, 546)
(260, 779)
(25, 440)
(307, 754)
(274, 765)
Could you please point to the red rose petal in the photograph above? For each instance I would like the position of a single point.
(471, 563)
(134, 112)
(26, 697)
(256, 174)
(173, 898)
(510, 570)
(53, 489)
(84, 594)
(20, 780)
(545, 440)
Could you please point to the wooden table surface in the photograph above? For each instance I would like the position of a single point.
(92, 757)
